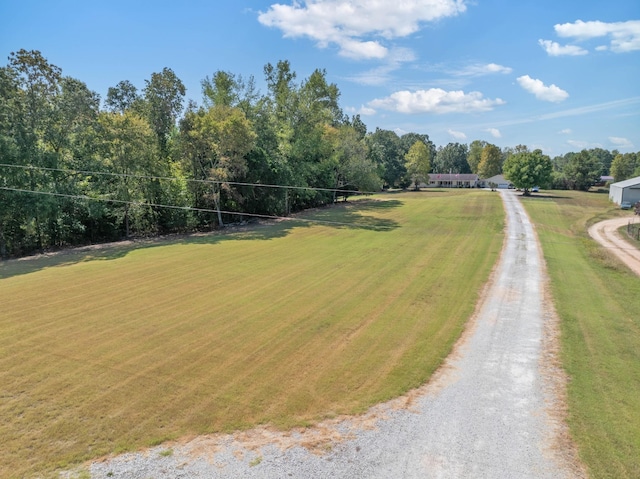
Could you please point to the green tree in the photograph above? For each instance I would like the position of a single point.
(475, 153)
(582, 171)
(386, 152)
(38, 84)
(124, 96)
(624, 166)
(418, 163)
(164, 95)
(215, 142)
(526, 169)
(127, 149)
(605, 157)
(490, 161)
(354, 170)
(452, 158)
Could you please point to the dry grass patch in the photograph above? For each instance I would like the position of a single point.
(283, 324)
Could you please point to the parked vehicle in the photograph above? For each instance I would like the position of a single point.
(535, 189)
(625, 205)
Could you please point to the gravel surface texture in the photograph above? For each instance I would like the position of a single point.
(488, 412)
(606, 233)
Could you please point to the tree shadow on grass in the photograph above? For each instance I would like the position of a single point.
(342, 215)
(359, 214)
(544, 196)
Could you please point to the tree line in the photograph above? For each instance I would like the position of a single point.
(75, 169)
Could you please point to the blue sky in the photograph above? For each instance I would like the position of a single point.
(558, 75)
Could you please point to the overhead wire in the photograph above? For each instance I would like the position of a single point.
(191, 180)
(176, 207)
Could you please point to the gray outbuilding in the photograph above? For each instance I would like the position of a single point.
(627, 190)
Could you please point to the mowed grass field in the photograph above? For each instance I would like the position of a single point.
(598, 300)
(285, 324)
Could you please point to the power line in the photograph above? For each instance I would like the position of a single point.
(175, 207)
(192, 180)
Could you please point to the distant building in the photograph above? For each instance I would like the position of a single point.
(452, 180)
(498, 180)
(627, 190)
(604, 179)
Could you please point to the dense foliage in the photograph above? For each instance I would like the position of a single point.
(526, 169)
(75, 171)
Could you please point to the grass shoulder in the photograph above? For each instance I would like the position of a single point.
(597, 299)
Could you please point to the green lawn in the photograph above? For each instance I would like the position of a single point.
(598, 301)
(285, 324)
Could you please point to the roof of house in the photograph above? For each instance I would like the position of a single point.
(453, 177)
(627, 183)
(498, 179)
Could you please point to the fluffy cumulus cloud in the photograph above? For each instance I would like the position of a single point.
(356, 26)
(436, 100)
(458, 135)
(623, 36)
(555, 49)
(566, 131)
(550, 93)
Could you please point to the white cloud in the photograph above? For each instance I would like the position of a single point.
(541, 91)
(624, 36)
(620, 142)
(494, 132)
(436, 100)
(356, 26)
(480, 69)
(366, 111)
(583, 145)
(382, 74)
(458, 135)
(555, 49)
(566, 131)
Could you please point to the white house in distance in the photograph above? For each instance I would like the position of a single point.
(627, 190)
(498, 180)
(452, 180)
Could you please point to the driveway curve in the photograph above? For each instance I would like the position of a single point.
(606, 233)
(488, 412)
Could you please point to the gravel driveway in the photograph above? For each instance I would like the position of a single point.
(606, 233)
(490, 412)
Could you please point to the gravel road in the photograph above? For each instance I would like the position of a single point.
(607, 235)
(490, 412)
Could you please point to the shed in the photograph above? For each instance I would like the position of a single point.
(627, 190)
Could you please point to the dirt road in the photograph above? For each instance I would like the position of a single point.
(607, 235)
(488, 413)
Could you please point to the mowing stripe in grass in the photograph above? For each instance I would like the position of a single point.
(282, 324)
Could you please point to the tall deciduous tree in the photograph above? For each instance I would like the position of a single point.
(354, 169)
(490, 161)
(122, 97)
(216, 142)
(164, 96)
(418, 163)
(475, 153)
(624, 166)
(385, 151)
(452, 158)
(582, 171)
(526, 169)
(127, 148)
